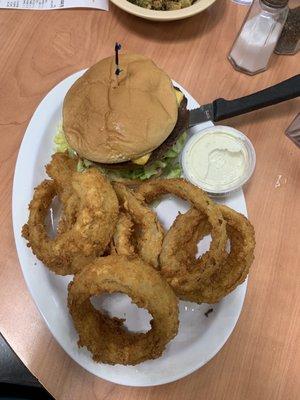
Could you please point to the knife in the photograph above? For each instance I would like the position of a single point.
(221, 109)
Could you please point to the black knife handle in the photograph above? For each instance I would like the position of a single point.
(285, 90)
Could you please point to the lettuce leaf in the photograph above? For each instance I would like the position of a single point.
(60, 142)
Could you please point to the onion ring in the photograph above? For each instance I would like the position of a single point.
(60, 169)
(217, 226)
(121, 243)
(90, 234)
(184, 273)
(106, 337)
(147, 232)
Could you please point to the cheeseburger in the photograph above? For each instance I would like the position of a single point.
(130, 125)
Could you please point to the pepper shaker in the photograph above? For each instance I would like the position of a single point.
(258, 36)
(289, 41)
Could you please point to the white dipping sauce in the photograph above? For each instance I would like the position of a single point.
(217, 159)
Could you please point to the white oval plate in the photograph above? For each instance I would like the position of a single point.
(199, 337)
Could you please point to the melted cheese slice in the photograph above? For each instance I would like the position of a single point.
(142, 160)
(179, 97)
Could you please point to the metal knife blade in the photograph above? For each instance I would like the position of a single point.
(201, 114)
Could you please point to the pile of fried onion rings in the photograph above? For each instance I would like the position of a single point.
(110, 238)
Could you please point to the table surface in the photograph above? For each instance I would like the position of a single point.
(261, 360)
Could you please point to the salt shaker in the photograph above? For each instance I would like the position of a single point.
(258, 36)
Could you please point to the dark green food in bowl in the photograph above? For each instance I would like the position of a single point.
(163, 5)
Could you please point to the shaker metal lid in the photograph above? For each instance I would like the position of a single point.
(275, 3)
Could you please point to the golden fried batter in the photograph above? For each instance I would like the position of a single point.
(60, 169)
(197, 198)
(90, 234)
(147, 230)
(121, 243)
(190, 280)
(105, 337)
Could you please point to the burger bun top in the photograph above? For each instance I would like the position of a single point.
(111, 119)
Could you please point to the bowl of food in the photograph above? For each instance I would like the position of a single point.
(163, 10)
